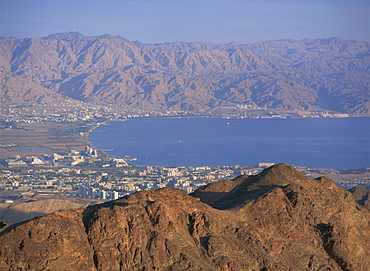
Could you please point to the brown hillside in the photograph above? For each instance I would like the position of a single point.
(287, 75)
(276, 220)
(361, 195)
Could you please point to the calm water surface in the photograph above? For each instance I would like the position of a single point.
(325, 143)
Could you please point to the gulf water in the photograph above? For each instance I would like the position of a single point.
(336, 143)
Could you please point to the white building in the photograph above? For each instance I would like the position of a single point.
(114, 195)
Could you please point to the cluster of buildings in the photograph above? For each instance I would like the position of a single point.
(86, 190)
(363, 182)
(108, 178)
(92, 174)
(67, 111)
(249, 112)
(99, 178)
(77, 111)
(72, 158)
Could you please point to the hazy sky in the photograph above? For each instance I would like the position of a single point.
(221, 21)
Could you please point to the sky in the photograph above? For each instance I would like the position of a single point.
(158, 21)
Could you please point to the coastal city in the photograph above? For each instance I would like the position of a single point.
(75, 111)
(87, 172)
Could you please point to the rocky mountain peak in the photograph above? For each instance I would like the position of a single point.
(234, 193)
(280, 174)
(280, 220)
(67, 36)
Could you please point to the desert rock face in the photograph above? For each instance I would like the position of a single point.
(361, 195)
(286, 75)
(276, 220)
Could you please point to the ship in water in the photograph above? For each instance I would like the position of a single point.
(232, 123)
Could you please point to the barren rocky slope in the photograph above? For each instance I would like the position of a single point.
(287, 75)
(361, 195)
(20, 211)
(276, 220)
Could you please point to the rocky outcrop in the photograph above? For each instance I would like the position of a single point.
(20, 211)
(287, 75)
(361, 195)
(276, 220)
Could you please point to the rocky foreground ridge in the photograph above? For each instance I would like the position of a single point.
(285, 75)
(276, 220)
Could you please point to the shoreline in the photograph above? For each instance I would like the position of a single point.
(340, 176)
(65, 142)
(86, 138)
(121, 154)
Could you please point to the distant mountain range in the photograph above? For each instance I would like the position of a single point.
(286, 75)
(276, 220)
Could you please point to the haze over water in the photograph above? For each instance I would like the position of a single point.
(316, 143)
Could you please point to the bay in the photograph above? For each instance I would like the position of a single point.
(336, 143)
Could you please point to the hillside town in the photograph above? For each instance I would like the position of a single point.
(70, 111)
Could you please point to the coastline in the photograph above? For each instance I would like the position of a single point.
(339, 124)
(62, 137)
(88, 143)
(81, 139)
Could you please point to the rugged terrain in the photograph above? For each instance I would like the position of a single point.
(361, 195)
(286, 75)
(30, 205)
(276, 220)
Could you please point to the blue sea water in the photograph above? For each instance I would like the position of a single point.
(314, 142)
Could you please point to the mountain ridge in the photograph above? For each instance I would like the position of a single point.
(293, 222)
(285, 75)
